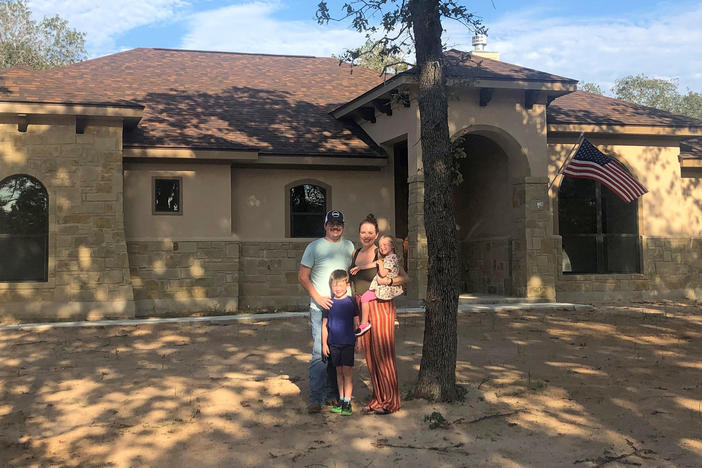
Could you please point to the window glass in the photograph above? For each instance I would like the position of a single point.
(599, 230)
(167, 196)
(308, 204)
(24, 229)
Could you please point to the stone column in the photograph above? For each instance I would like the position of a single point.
(534, 247)
(417, 258)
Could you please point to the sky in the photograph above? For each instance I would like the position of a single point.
(595, 41)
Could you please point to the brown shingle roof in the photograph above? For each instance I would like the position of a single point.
(465, 65)
(581, 107)
(274, 103)
(691, 148)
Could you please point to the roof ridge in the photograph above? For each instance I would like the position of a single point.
(635, 104)
(233, 53)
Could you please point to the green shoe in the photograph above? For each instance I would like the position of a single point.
(346, 409)
(338, 408)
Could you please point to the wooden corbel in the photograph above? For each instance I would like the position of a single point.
(486, 96)
(384, 106)
(530, 98)
(367, 113)
(22, 123)
(81, 122)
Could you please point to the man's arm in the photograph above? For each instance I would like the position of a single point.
(303, 276)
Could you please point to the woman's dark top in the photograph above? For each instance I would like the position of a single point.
(361, 281)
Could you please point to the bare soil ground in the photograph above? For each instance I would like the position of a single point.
(617, 386)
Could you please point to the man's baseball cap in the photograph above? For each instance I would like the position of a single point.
(335, 216)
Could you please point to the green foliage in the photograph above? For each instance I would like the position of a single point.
(458, 153)
(658, 93)
(371, 55)
(590, 87)
(387, 25)
(39, 45)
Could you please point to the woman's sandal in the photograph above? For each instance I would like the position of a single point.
(381, 411)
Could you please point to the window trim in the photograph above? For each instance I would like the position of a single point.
(286, 198)
(153, 196)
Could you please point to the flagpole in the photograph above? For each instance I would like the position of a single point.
(567, 160)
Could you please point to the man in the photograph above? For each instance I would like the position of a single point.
(321, 257)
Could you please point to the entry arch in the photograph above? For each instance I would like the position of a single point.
(487, 217)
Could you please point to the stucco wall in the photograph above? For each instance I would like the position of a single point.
(521, 132)
(206, 210)
(259, 195)
(673, 206)
(88, 274)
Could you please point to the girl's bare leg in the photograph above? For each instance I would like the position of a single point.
(364, 312)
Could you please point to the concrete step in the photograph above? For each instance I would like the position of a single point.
(471, 298)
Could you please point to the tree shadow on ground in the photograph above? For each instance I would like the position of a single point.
(545, 388)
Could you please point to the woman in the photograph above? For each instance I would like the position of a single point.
(379, 342)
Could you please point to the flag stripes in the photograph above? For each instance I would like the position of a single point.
(591, 163)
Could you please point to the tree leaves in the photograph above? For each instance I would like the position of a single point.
(39, 45)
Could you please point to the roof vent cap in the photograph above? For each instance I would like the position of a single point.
(479, 42)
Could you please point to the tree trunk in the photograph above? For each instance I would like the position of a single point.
(437, 372)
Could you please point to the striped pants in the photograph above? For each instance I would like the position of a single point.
(379, 346)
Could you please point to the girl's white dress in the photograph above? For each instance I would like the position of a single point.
(386, 292)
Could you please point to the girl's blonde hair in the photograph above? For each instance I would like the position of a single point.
(392, 244)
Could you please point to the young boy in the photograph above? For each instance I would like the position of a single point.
(338, 338)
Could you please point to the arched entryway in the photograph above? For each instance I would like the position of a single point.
(486, 217)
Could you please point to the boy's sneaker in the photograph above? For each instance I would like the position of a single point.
(364, 327)
(346, 409)
(338, 407)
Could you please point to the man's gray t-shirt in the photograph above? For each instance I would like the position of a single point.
(323, 257)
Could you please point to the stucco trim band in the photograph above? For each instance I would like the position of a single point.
(133, 111)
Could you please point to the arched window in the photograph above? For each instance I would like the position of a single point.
(599, 230)
(307, 205)
(24, 229)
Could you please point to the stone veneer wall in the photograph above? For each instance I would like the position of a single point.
(417, 256)
(672, 268)
(534, 246)
(88, 275)
(486, 266)
(184, 277)
(269, 276)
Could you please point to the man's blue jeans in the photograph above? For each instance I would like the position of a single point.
(322, 377)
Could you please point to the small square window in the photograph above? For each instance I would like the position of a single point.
(168, 196)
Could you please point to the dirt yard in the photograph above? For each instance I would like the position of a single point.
(617, 386)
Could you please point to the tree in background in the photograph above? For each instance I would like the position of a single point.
(591, 87)
(406, 26)
(39, 45)
(371, 55)
(653, 92)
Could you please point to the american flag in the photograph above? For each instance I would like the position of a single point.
(590, 163)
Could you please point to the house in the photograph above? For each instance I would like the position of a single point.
(156, 181)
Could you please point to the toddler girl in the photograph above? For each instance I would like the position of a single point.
(388, 267)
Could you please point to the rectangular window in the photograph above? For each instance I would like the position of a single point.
(168, 195)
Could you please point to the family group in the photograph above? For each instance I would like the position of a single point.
(352, 309)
